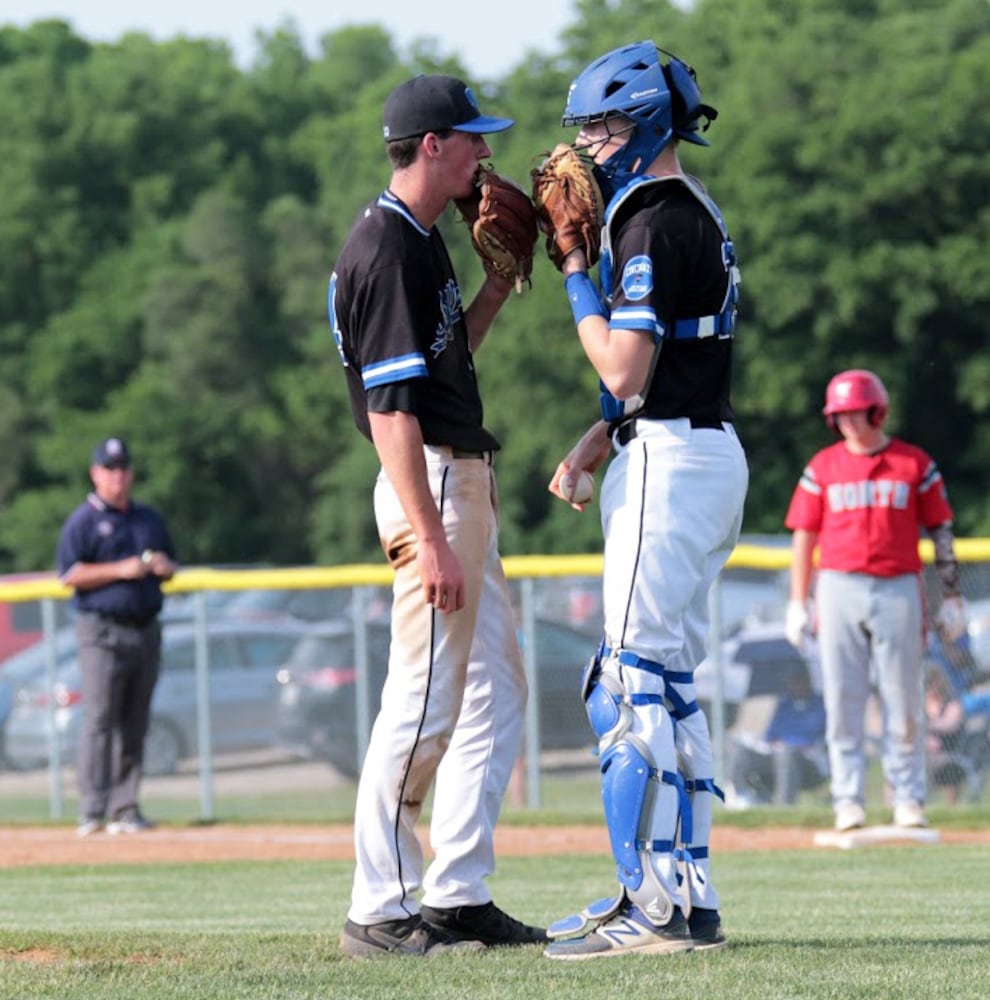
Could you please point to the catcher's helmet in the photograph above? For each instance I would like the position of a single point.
(661, 100)
(856, 389)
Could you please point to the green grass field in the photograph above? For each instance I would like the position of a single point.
(891, 923)
(565, 799)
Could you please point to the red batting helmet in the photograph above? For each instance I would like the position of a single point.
(856, 389)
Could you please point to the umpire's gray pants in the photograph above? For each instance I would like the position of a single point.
(119, 666)
(873, 622)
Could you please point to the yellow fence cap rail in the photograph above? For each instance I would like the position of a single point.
(34, 587)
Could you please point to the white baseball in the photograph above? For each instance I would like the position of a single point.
(577, 487)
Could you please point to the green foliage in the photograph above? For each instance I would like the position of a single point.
(169, 221)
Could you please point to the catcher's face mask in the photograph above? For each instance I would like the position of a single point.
(599, 140)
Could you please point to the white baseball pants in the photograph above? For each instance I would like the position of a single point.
(451, 713)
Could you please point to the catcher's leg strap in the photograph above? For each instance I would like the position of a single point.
(692, 785)
(687, 853)
(687, 850)
(678, 707)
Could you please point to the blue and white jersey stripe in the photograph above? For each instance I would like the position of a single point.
(636, 318)
(388, 201)
(335, 328)
(394, 370)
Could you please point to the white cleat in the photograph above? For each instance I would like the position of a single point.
(910, 815)
(849, 816)
(628, 931)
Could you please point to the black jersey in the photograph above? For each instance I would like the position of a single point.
(398, 321)
(674, 275)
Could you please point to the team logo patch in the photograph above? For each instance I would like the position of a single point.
(637, 278)
(450, 314)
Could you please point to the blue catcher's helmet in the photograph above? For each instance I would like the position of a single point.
(661, 100)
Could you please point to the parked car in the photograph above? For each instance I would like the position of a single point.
(20, 621)
(756, 660)
(978, 628)
(306, 604)
(744, 596)
(28, 666)
(318, 701)
(243, 659)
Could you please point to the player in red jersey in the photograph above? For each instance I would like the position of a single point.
(861, 502)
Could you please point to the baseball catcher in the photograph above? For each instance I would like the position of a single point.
(658, 330)
(569, 205)
(502, 221)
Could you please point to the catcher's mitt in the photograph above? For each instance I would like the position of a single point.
(502, 221)
(569, 205)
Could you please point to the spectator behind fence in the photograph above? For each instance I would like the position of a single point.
(791, 755)
(946, 721)
(976, 703)
(115, 553)
(954, 657)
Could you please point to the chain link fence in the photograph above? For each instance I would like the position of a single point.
(271, 678)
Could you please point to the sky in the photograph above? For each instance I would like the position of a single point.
(488, 39)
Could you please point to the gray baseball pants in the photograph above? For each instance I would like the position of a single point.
(870, 632)
(119, 666)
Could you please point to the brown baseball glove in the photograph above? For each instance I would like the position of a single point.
(569, 205)
(502, 221)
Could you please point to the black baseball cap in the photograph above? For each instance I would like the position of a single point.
(435, 103)
(112, 453)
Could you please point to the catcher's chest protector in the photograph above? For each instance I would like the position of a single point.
(721, 324)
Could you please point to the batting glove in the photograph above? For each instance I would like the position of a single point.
(950, 620)
(797, 625)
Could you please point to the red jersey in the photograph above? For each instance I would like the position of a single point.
(866, 509)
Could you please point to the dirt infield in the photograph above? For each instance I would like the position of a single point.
(60, 845)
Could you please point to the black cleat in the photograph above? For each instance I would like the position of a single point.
(485, 923)
(411, 936)
(706, 930)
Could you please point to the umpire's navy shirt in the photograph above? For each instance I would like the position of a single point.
(95, 532)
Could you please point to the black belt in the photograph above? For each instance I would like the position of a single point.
(627, 431)
(132, 621)
(457, 453)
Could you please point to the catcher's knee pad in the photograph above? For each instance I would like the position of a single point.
(604, 701)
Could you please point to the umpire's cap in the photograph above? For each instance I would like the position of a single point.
(112, 453)
(435, 103)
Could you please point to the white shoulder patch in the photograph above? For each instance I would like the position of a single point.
(637, 278)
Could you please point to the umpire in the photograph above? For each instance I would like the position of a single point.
(115, 553)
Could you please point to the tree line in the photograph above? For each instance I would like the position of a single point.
(168, 222)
